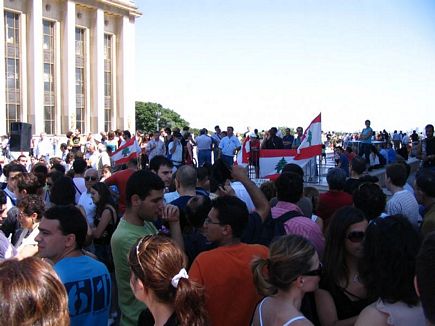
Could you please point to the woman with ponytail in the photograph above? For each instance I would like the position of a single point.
(159, 279)
(292, 269)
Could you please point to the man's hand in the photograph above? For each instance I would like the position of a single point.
(239, 173)
(171, 214)
(225, 190)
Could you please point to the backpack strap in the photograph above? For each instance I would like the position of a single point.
(77, 189)
(287, 216)
(13, 201)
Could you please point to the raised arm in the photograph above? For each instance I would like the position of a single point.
(261, 204)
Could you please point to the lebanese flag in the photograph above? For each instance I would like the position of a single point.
(311, 144)
(126, 152)
(243, 154)
(272, 161)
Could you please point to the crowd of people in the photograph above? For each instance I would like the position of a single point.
(175, 237)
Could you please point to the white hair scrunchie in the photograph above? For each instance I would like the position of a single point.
(181, 274)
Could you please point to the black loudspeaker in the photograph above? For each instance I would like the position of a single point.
(21, 136)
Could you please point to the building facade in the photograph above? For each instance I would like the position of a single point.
(67, 65)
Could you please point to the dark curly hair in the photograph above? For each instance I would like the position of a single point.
(370, 198)
(388, 265)
(30, 204)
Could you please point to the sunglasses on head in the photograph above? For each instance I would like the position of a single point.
(90, 178)
(315, 272)
(356, 236)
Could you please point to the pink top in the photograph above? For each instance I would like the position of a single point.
(282, 207)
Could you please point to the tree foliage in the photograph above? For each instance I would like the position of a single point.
(147, 114)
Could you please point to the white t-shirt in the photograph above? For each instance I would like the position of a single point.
(177, 156)
(80, 187)
(88, 205)
(403, 202)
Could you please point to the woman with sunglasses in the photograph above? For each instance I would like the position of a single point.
(159, 279)
(292, 269)
(342, 295)
(105, 221)
(387, 269)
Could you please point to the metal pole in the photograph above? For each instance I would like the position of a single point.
(158, 119)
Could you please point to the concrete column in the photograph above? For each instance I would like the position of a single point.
(24, 75)
(2, 70)
(58, 77)
(114, 82)
(35, 80)
(97, 73)
(126, 81)
(68, 67)
(88, 68)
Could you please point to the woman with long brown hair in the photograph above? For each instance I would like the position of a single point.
(31, 294)
(159, 279)
(292, 269)
(342, 295)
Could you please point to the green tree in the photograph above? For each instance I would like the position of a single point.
(280, 165)
(148, 114)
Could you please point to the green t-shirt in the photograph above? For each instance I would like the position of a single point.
(124, 237)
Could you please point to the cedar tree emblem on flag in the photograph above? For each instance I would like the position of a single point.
(280, 165)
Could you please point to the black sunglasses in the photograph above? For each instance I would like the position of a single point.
(315, 272)
(356, 236)
(90, 178)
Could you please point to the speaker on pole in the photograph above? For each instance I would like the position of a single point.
(21, 136)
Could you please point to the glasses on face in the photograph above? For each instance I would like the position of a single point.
(209, 221)
(90, 178)
(356, 236)
(315, 272)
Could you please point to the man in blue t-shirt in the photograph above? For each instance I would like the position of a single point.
(62, 234)
(229, 146)
(366, 140)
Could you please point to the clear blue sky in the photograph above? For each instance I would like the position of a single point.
(264, 63)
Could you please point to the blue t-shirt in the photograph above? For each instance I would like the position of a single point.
(392, 157)
(229, 144)
(344, 164)
(88, 285)
(365, 133)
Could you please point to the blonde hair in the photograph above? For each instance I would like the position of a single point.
(290, 256)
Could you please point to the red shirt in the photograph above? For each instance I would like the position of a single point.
(120, 179)
(225, 273)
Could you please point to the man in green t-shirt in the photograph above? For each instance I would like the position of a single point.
(144, 204)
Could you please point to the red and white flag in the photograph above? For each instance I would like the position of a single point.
(311, 144)
(126, 152)
(243, 154)
(272, 161)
